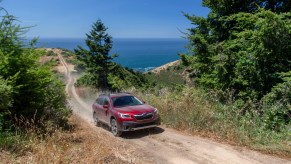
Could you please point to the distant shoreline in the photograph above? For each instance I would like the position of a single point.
(165, 66)
(156, 70)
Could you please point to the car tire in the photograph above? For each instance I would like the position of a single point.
(114, 128)
(96, 120)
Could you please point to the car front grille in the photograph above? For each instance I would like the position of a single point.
(144, 116)
(146, 124)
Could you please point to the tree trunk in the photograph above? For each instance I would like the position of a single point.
(271, 5)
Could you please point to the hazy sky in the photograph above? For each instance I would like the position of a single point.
(124, 18)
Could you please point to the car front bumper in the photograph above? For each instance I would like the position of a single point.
(132, 126)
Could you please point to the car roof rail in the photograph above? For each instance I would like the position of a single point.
(126, 92)
(111, 93)
(105, 94)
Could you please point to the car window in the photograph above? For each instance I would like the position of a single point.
(126, 101)
(106, 102)
(100, 100)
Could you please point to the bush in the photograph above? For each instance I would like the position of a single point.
(6, 95)
(27, 89)
(277, 104)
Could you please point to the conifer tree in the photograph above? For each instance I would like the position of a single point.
(97, 58)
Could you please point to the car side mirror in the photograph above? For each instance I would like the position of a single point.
(143, 102)
(105, 106)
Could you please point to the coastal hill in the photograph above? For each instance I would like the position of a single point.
(166, 66)
(171, 74)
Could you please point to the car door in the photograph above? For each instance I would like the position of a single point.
(98, 108)
(105, 111)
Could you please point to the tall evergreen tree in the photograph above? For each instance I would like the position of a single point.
(97, 58)
(240, 45)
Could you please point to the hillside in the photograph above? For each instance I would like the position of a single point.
(166, 66)
(170, 74)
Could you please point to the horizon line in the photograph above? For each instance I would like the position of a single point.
(112, 37)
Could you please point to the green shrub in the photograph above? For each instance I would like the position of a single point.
(50, 53)
(6, 95)
(29, 90)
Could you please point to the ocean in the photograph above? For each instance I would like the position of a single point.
(138, 54)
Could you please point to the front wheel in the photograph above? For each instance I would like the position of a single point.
(114, 128)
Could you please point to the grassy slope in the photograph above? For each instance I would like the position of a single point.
(194, 111)
(170, 76)
(80, 144)
(201, 113)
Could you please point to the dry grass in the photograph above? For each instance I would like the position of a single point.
(199, 113)
(82, 144)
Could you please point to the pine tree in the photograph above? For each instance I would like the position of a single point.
(97, 58)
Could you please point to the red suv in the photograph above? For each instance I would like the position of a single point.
(124, 112)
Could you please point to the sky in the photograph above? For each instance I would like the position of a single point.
(124, 18)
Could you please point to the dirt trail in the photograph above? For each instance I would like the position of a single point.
(164, 145)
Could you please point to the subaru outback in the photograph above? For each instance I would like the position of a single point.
(124, 112)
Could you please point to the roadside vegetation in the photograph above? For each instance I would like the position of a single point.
(199, 112)
(33, 103)
(71, 146)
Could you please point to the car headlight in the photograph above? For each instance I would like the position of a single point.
(122, 115)
(156, 111)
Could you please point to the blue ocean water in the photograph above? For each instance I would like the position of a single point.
(138, 54)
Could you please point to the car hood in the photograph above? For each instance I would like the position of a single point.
(137, 109)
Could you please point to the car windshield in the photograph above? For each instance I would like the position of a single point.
(125, 101)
